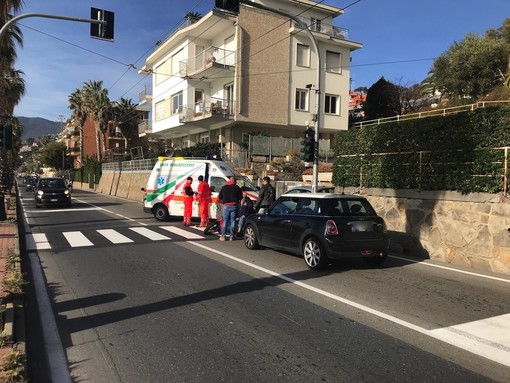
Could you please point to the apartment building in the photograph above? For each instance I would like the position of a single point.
(231, 74)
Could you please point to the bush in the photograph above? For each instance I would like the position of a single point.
(455, 152)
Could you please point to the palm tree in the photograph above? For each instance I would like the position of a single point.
(78, 115)
(97, 105)
(192, 17)
(125, 117)
(6, 6)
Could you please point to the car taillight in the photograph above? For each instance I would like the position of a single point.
(331, 228)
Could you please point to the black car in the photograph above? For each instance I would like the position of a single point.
(30, 183)
(308, 189)
(52, 191)
(321, 227)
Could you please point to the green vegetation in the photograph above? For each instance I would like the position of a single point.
(462, 152)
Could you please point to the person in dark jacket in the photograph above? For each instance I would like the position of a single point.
(230, 194)
(245, 210)
(267, 196)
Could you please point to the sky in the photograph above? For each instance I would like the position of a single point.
(400, 40)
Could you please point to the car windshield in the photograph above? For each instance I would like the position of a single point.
(56, 183)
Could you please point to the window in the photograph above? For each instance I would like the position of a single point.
(162, 110)
(303, 55)
(204, 139)
(163, 72)
(301, 99)
(331, 104)
(333, 63)
(176, 103)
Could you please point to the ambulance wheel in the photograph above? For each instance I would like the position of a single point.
(160, 212)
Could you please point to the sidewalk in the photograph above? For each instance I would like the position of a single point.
(12, 342)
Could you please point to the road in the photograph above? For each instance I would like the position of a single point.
(136, 300)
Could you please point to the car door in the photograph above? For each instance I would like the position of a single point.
(275, 227)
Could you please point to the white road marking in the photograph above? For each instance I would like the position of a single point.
(473, 337)
(149, 234)
(182, 232)
(77, 239)
(489, 337)
(114, 236)
(425, 263)
(37, 241)
(64, 210)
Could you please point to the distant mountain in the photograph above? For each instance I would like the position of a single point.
(35, 127)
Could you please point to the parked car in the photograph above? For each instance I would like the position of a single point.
(52, 191)
(320, 227)
(308, 189)
(30, 183)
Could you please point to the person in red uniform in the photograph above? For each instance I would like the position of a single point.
(188, 201)
(204, 199)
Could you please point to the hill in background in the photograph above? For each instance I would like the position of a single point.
(35, 127)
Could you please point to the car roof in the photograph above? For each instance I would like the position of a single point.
(323, 195)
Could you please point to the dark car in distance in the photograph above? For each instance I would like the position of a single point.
(308, 189)
(320, 227)
(30, 182)
(52, 191)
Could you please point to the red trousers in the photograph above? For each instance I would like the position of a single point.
(204, 213)
(188, 209)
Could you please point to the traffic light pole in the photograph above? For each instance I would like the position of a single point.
(315, 180)
(47, 16)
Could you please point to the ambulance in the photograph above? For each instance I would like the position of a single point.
(164, 192)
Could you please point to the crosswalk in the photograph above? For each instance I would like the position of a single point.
(106, 237)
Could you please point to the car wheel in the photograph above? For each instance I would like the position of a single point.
(161, 212)
(250, 238)
(314, 255)
(375, 261)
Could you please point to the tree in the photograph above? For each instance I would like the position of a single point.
(471, 68)
(53, 155)
(192, 17)
(97, 105)
(383, 100)
(78, 115)
(125, 118)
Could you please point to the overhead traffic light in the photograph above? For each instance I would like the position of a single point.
(228, 5)
(102, 31)
(308, 144)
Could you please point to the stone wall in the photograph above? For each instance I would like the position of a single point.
(467, 230)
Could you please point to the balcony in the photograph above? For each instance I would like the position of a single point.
(211, 61)
(144, 127)
(317, 25)
(209, 108)
(145, 96)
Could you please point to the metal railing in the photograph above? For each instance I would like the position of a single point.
(317, 25)
(429, 113)
(210, 107)
(211, 56)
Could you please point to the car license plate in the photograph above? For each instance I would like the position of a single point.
(361, 226)
(53, 200)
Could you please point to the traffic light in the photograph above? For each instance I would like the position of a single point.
(6, 137)
(99, 31)
(229, 5)
(308, 143)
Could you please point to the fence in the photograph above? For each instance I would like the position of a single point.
(282, 146)
(427, 170)
(429, 113)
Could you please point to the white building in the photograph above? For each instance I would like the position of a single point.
(231, 74)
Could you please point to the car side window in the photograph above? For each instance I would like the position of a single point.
(216, 184)
(284, 206)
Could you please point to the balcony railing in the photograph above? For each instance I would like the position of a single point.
(212, 107)
(317, 25)
(145, 95)
(211, 57)
(144, 126)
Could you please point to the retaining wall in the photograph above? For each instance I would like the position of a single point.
(468, 230)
